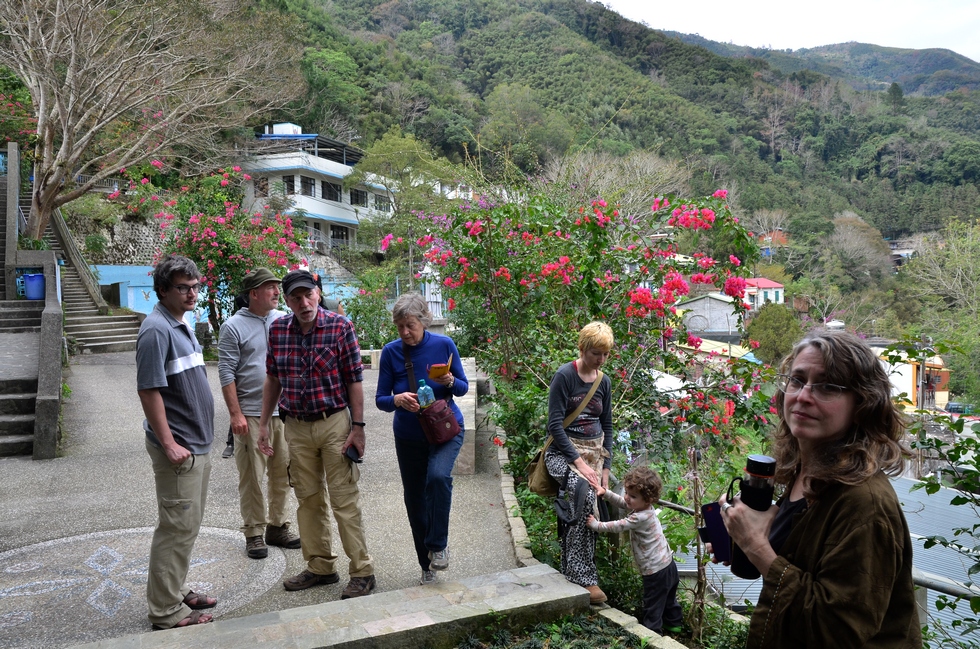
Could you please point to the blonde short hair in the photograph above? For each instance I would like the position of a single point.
(595, 335)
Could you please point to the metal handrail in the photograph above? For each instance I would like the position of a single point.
(76, 259)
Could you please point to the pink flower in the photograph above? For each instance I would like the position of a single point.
(735, 260)
(157, 164)
(386, 241)
(721, 193)
(735, 287)
(451, 303)
(122, 170)
(144, 181)
(694, 341)
(236, 169)
(754, 344)
(224, 183)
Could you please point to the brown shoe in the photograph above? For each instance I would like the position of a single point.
(307, 579)
(282, 537)
(596, 596)
(255, 548)
(359, 587)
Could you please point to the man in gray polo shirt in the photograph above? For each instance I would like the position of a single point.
(242, 345)
(173, 389)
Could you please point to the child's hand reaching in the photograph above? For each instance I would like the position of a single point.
(599, 490)
(590, 521)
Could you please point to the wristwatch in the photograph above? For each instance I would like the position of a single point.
(452, 382)
(358, 423)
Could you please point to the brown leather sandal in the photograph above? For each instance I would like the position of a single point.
(197, 601)
(190, 620)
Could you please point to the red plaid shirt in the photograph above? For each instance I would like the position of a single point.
(313, 368)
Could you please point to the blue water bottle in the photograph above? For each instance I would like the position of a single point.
(425, 395)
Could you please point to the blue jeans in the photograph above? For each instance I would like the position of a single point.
(427, 484)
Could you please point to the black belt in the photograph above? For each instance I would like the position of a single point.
(320, 415)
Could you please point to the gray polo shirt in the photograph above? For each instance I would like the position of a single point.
(242, 344)
(169, 359)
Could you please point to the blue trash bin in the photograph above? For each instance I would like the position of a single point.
(34, 286)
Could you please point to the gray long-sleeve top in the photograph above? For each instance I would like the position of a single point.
(565, 394)
(242, 343)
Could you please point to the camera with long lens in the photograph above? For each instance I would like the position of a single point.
(756, 489)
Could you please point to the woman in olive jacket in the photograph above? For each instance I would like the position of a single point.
(835, 552)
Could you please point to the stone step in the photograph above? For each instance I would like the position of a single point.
(19, 424)
(96, 319)
(120, 335)
(79, 310)
(438, 615)
(20, 328)
(11, 445)
(17, 404)
(12, 386)
(109, 347)
(76, 329)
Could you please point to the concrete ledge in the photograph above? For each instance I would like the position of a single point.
(437, 616)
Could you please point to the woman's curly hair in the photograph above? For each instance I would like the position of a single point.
(874, 441)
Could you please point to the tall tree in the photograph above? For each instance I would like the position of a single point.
(776, 331)
(116, 82)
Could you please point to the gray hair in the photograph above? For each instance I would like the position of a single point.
(412, 304)
(169, 266)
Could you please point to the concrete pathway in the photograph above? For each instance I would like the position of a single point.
(75, 531)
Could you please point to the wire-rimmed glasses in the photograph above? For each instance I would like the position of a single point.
(821, 391)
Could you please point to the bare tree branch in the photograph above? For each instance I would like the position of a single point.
(116, 82)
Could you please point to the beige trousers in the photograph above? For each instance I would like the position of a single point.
(181, 494)
(318, 471)
(253, 468)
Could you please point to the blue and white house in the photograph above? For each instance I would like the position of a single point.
(310, 170)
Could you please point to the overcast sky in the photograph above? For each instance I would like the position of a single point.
(918, 24)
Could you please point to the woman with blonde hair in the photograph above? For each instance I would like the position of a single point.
(834, 552)
(582, 449)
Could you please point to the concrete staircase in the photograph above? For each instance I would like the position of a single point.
(92, 332)
(17, 401)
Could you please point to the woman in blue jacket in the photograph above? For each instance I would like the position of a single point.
(426, 469)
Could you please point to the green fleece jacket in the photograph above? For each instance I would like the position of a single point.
(843, 578)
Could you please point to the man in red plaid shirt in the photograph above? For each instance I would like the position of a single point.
(314, 373)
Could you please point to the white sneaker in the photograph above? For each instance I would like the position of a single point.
(439, 560)
(428, 577)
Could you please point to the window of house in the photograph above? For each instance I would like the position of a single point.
(777, 297)
(330, 191)
(290, 184)
(339, 235)
(307, 186)
(765, 296)
(261, 187)
(358, 197)
(382, 203)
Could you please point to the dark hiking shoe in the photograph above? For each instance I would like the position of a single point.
(307, 579)
(255, 548)
(359, 587)
(439, 560)
(228, 452)
(282, 537)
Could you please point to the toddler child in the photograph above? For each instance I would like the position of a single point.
(642, 488)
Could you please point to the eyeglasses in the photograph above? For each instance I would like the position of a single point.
(821, 391)
(184, 289)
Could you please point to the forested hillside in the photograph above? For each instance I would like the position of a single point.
(538, 78)
(930, 72)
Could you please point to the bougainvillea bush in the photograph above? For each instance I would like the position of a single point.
(203, 221)
(522, 278)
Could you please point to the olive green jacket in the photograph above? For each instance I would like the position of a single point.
(843, 578)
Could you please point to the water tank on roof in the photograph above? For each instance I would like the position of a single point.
(287, 129)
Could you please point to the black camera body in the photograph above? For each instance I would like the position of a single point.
(756, 489)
